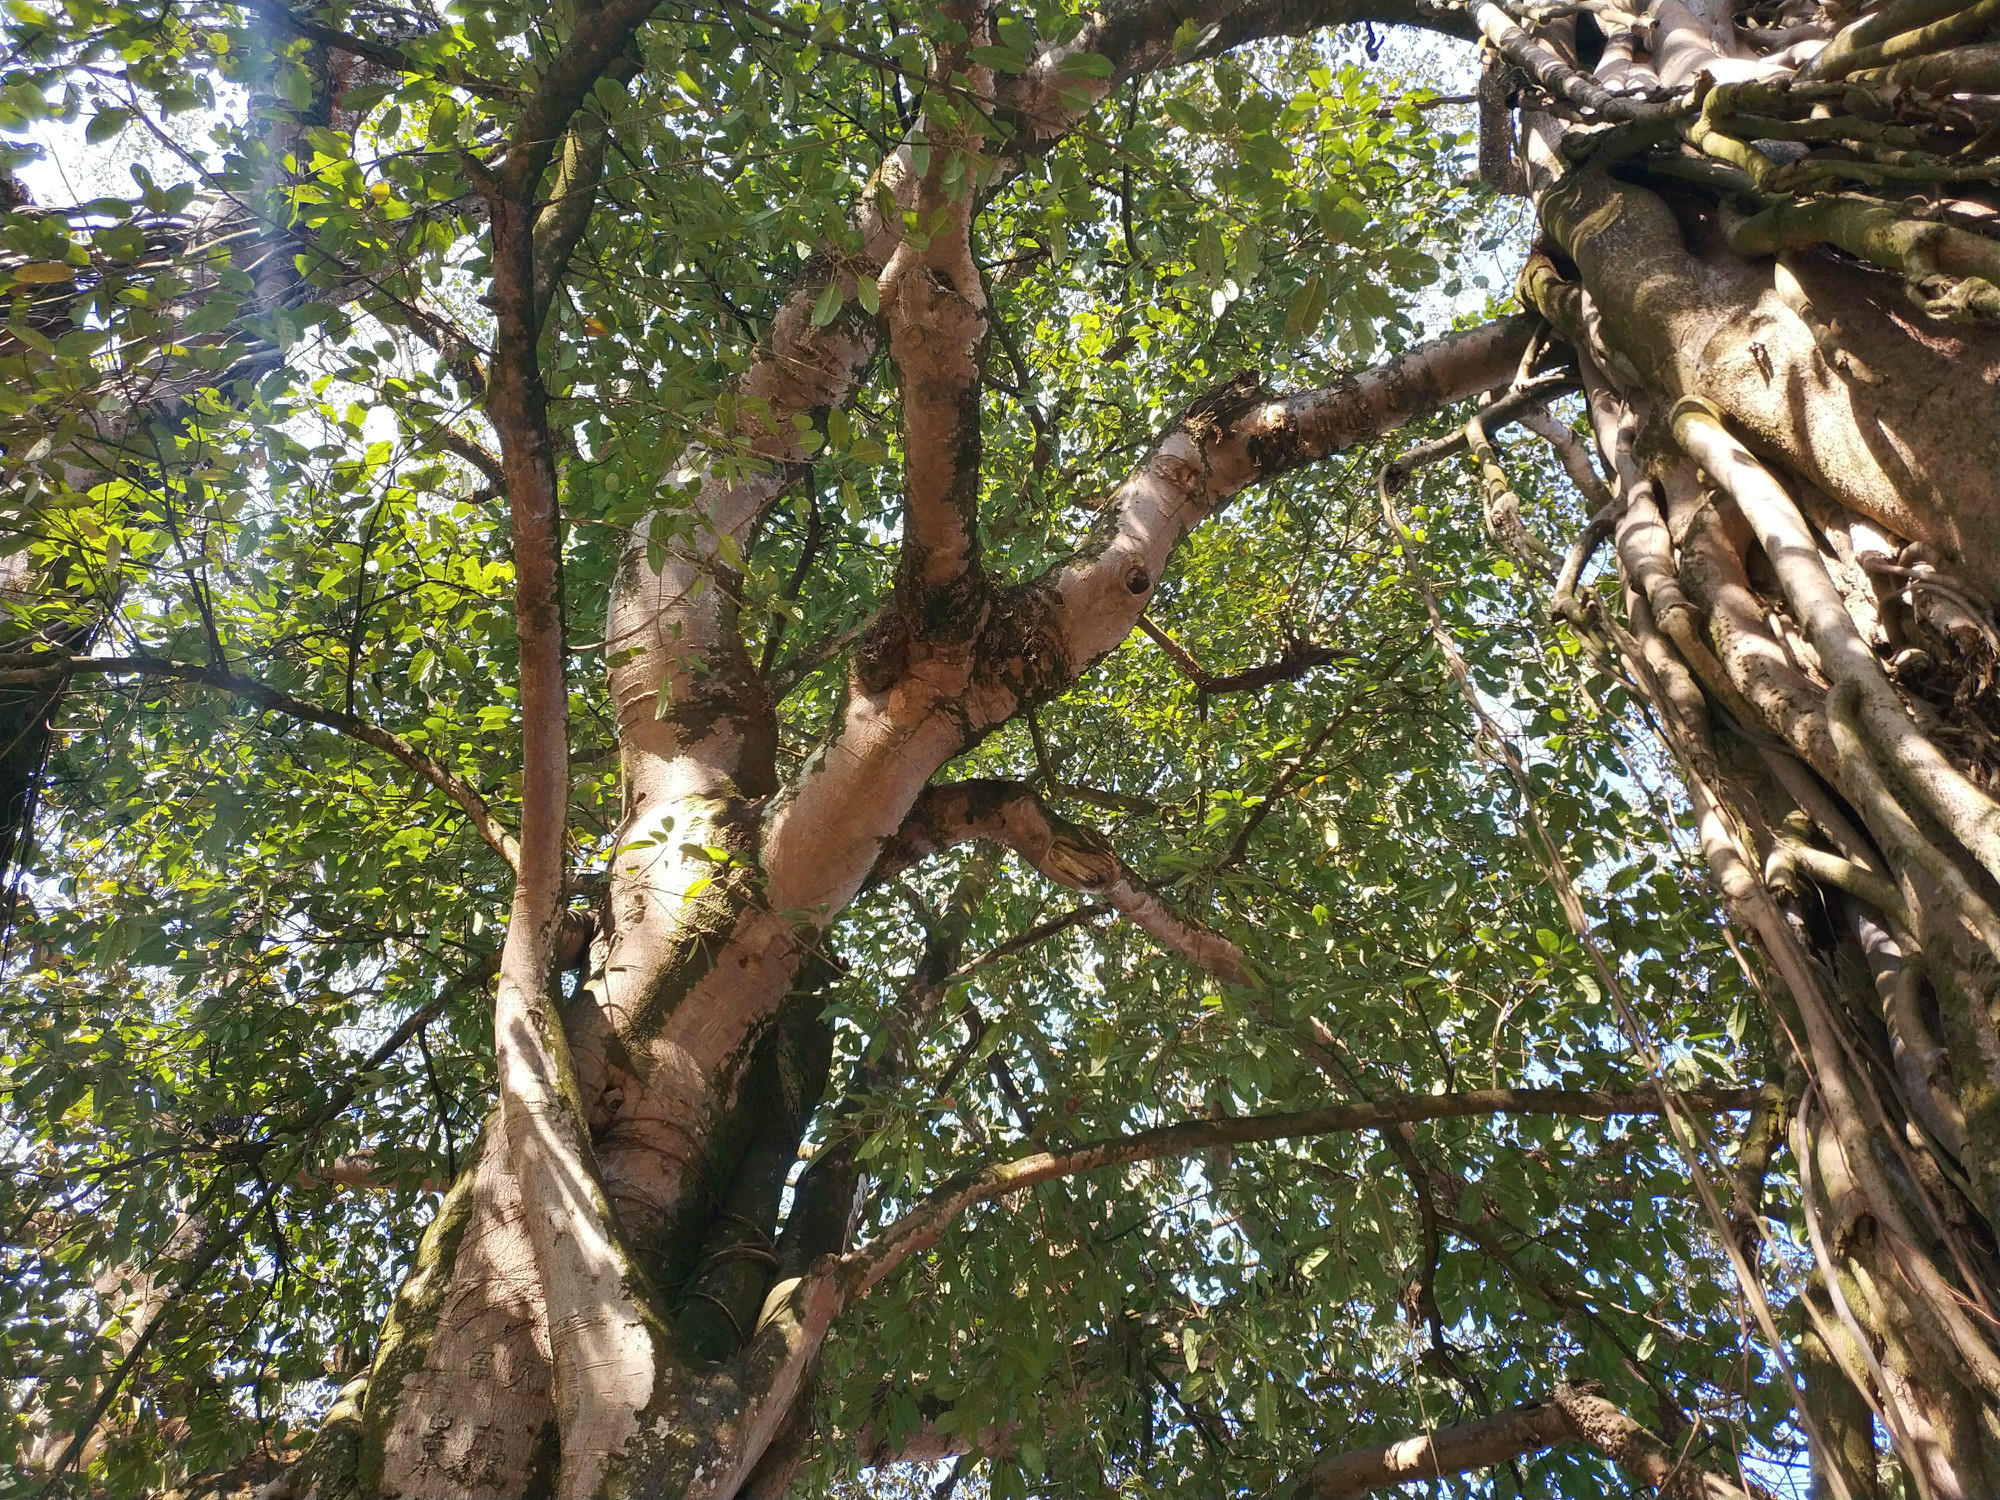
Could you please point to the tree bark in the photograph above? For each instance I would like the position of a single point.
(1794, 399)
(1571, 1415)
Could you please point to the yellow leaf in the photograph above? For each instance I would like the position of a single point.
(44, 273)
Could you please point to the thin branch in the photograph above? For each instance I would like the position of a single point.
(925, 1224)
(1008, 813)
(1290, 776)
(808, 555)
(390, 743)
(1178, 654)
(1029, 937)
(1052, 782)
(1295, 659)
(1511, 407)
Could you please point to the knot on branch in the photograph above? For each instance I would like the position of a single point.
(1080, 858)
(1212, 414)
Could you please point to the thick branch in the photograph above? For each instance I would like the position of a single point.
(1295, 658)
(1008, 813)
(908, 711)
(1571, 1415)
(1957, 802)
(935, 304)
(1711, 326)
(1241, 435)
(601, 33)
(1637, 1451)
(1434, 1455)
(438, 775)
(559, 226)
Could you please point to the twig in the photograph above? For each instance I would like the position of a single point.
(1507, 409)
(47, 667)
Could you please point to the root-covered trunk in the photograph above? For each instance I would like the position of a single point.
(1778, 307)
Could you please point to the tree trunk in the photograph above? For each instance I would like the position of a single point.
(1795, 400)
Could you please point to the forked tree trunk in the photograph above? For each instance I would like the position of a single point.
(1796, 412)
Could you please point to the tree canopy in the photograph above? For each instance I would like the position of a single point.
(282, 368)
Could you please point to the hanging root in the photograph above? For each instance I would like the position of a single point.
(1503, 508)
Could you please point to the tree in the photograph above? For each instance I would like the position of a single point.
(870, 376)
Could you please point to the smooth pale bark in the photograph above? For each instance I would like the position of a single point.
(1240, 436)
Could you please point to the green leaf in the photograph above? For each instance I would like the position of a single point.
(43, 273)
(1209, 257)
(105, 124)
(1086, 65)
(1308, 303)
(1000, 59)
(827, 308)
